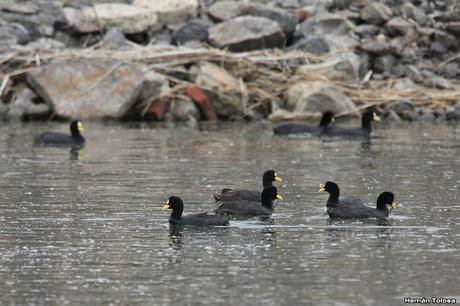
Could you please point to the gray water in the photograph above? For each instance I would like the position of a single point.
(86, 227)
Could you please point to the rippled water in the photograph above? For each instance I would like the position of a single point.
(90, 230)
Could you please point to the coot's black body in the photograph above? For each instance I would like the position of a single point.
(354, 207)
(201, 219)
(296, 128)
(60, 139)
(228, 194)
(251, 208)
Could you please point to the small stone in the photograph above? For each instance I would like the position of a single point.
(398, 25)
(196, 29)
(450, 70)
(129, 18)
(285, 20)
(247, 33)
(14, 6)
(224, 10)
(367, 30)
(315, 45)
(170, 11)
(384, 63)
(375, 47)
(376, 13)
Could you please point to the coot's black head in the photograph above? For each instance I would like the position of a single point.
(327, 118)
(333, 190)
(76, 128)
(269, 177)
(384, 199)
(177, 206)
(270, 194)
(369, 116)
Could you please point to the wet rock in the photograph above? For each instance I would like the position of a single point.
(225, 10)
(247, 33)
(285, 20)
(222, 89)
(314, 45)
(128, 18)
(17, 109)
(183, 109)
(335, 30)
(170, 11)
(196, 29)
(87, 88)
(376, 13)
(340, 67)
(317, 96)
(399, 26)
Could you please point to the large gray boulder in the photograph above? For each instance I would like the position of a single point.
(247, 33)
(317, 96)
(333, 30)
(128, 18)
(87, 88)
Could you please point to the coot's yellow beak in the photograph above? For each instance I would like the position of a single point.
(80, 127)
(376, 117)
(321, 189)
(279, 197)
(278, 178)
(393, 205)
(165, 205)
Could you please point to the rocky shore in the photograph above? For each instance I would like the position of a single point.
(191, 60)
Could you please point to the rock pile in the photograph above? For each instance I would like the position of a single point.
(412, 46)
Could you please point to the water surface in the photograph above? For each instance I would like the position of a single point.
(85, 227)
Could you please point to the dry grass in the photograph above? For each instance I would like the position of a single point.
(264, 75)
